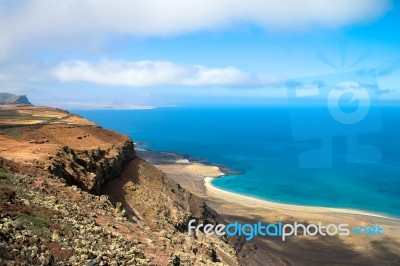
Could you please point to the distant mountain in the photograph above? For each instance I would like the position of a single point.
(8, 98)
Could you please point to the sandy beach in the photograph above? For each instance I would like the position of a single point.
(260, 203)
(297, 250)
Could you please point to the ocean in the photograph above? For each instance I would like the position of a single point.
(258, 144)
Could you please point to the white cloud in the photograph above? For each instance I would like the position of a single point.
(156, 73)
(49, 21)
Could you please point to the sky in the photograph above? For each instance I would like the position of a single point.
(93, 54)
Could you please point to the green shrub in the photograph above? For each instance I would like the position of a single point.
(2, 173)
(37, 223)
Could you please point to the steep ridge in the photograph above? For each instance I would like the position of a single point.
(90, 169)
(96, 173)
(8, 98)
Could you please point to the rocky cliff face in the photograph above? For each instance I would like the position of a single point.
(7, 98)
(90, 169)
(152, 199)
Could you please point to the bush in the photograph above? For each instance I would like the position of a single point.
(37, 223)
(2, 173)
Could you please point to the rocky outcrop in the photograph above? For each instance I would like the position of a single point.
(8, 98)
(90, 169)
(151, 198)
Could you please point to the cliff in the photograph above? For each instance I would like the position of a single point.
(79, 185)
(90, 169)
(8, 98)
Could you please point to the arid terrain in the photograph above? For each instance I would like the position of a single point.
(73, 193)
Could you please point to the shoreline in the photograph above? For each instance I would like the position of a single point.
(195, 176)
(168, 158)
(263, 203)
(186, 158)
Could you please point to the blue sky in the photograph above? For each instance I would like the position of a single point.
(96, 54)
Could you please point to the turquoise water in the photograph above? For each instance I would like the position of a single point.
(258, 143)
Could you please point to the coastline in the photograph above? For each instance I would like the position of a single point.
(299, 250)
(165, 157)
(181, 163)
(262, 203)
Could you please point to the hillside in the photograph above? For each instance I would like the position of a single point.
(73, 193)
(8, 98)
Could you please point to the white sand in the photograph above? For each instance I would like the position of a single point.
(259, 203)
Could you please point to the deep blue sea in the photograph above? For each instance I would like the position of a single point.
(258, 143)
